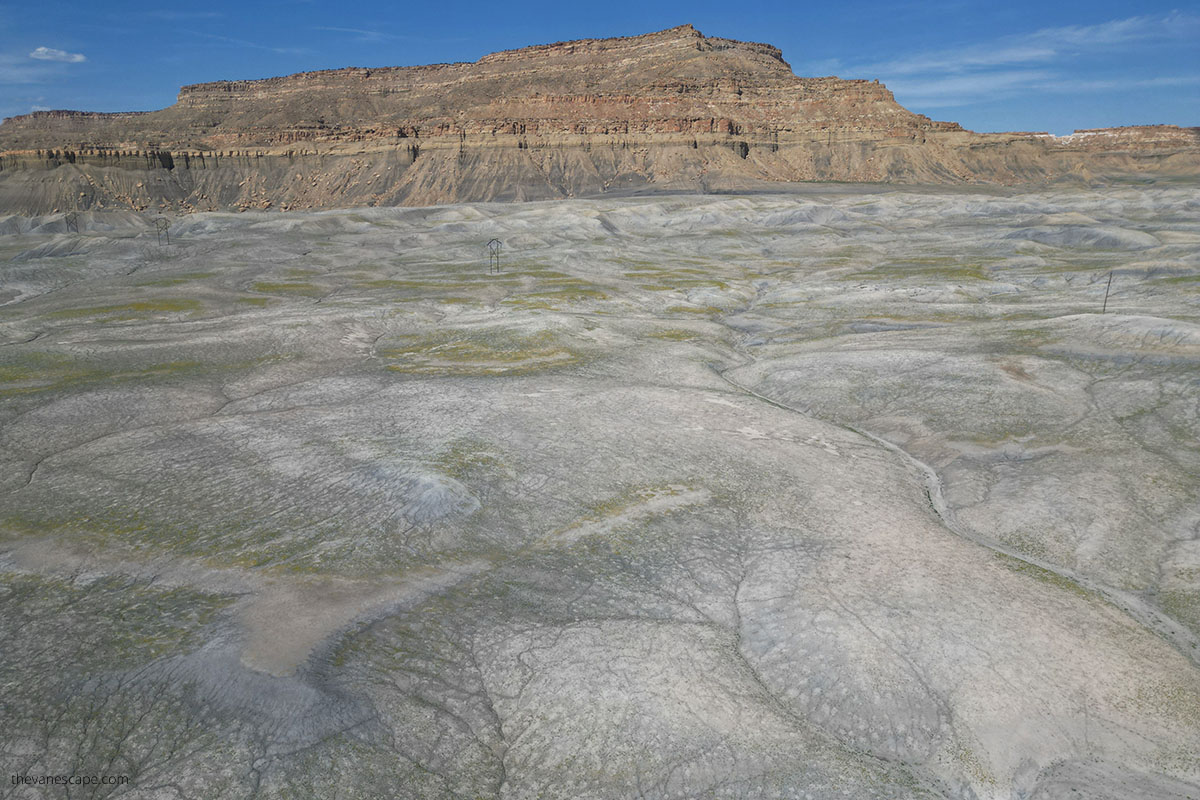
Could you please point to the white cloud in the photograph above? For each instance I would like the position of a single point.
(1121, 31)
(1041, 61)
(255, 45)
(964, 58)
(1121, 84)
(963, 90)
(959, 90)
(17, 69)
(50, 54)
(363, 35)
(1042, 46)
(373, 36)
(179, 16)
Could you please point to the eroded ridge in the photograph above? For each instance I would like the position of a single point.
(670, 111)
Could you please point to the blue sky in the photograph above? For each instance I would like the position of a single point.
(1022, 65)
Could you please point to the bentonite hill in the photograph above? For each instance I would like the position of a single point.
(673, 110)
(839, 493)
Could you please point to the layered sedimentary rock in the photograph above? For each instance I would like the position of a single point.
(673, 110)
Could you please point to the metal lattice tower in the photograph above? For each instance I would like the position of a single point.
(162, 224)
(494, 255)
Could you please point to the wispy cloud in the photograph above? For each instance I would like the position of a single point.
(18, 69)
(967, 89)
(50, 54)
(176, 16)
(1176, 25)
(1043, 60)
(363, 35)
(368, 36)
(1130, 83)
(254, 45)
(1044, 45)
(958, 90)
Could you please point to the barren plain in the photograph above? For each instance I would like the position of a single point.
(842, 492)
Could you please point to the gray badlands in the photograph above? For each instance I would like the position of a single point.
(835, 492)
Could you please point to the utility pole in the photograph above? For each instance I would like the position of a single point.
(494, 255)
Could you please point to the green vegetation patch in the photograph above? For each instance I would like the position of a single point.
(32, 371)
(629, 497)
(178, 280)
(229, 540)
(1030, 543)
(676, 279)
(130, 620)
(136, 310)
(459, 288)
(1177, 280)
(1182, 605)
(37, 371)
(479, 352)
(1043, 575)
(674, 335)
(707, 311)
(290, 288)
(468, 457)
(556, 291)
(77, 675)
(392, 283)
(925, 269)
(570, 294)
(1177, 701)
(1025, 339)
(972, 764)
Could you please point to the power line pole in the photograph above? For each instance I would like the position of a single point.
(494, 255)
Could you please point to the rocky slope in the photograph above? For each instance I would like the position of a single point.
(673, 110)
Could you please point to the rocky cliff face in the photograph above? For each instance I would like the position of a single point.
(673, 110)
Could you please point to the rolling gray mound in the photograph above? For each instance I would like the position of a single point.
(813, 495)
